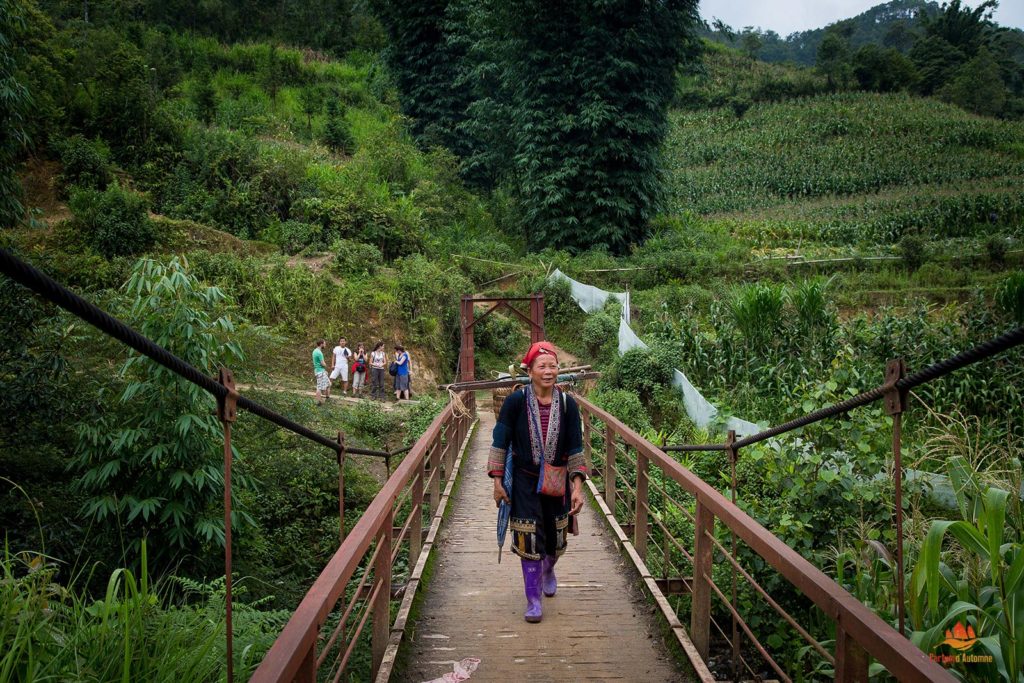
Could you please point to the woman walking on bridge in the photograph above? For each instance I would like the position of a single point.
(542, 426)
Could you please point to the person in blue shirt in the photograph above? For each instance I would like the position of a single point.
(402, 375)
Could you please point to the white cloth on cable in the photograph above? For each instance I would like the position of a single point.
(591, 298)
(698, 408)
(628, 339)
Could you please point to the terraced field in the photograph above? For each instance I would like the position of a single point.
(871, 166)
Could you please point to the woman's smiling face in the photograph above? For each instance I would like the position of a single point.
(544, 371)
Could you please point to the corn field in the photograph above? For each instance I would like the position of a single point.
(848, 144)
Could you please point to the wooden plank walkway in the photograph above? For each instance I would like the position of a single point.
(597, 628)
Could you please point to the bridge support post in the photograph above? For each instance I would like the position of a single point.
(341, 487)
(416, 523)
(640, 515)
(895, 402)
(381, 606)
(227, 410)
(731, 451)
(537, 317)
(851, 659)
(435, 473)
(588, 429)
(700, 611)
(307, 669)
(466, 360)
(609, 467)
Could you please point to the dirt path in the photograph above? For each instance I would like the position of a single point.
(386, 406)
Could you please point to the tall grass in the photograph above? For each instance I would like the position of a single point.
(131, 633)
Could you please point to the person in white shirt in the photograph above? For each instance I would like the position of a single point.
(339, 366)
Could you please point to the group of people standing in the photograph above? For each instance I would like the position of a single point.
(360, 364)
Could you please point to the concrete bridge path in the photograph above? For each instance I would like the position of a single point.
(597, 628)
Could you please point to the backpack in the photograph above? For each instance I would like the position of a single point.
(393, 369)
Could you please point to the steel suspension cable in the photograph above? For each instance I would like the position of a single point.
(54, 292)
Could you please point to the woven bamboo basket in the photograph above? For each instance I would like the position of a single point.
(498, 397)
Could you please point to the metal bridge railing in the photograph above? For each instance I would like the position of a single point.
(431, 457)
(358, 584)
(637, 512)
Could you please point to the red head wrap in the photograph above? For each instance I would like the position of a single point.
(538, 349)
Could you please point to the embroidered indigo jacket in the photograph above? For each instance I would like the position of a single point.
(564, 448)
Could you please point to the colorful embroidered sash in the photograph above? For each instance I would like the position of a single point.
(539, 445)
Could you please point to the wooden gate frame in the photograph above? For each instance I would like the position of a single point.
(468, 320)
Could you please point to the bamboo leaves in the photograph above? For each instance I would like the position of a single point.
(150, 460)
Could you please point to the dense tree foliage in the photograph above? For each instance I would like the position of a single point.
(588, 90)
(331, 25)
(911, 45)
(14, 104)
(576, 101)
(892, 24)
(426, 67)
(883, 69)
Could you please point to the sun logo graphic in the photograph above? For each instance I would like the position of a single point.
(961, 638)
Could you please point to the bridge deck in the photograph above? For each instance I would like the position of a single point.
(598, 627)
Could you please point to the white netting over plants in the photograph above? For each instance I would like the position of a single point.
(699, 409)
(590, 298)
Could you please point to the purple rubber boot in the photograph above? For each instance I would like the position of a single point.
(532, 571)
(550, 583)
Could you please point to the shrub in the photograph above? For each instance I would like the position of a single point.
(642, 371)
(600, 333)
(114, 222)
(85, 163)
(428, 296)
(739, 105)
(337, 130)
(147, 461)
(501, 335)
(624, 405)
(356, 258)
(370, 422)
(912, 250)
(390, 224)
(294, 236)
(996, 248)
(559, 307)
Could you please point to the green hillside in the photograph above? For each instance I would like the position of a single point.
(898, 20)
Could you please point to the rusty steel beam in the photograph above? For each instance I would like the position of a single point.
(481, 384)
(675, 585)
(492, 299)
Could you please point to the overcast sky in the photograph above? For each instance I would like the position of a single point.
(786, 16)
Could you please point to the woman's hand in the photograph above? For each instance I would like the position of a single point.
(499, 493)
(577, 496)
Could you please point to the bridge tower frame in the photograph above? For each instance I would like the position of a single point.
(468, 320)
